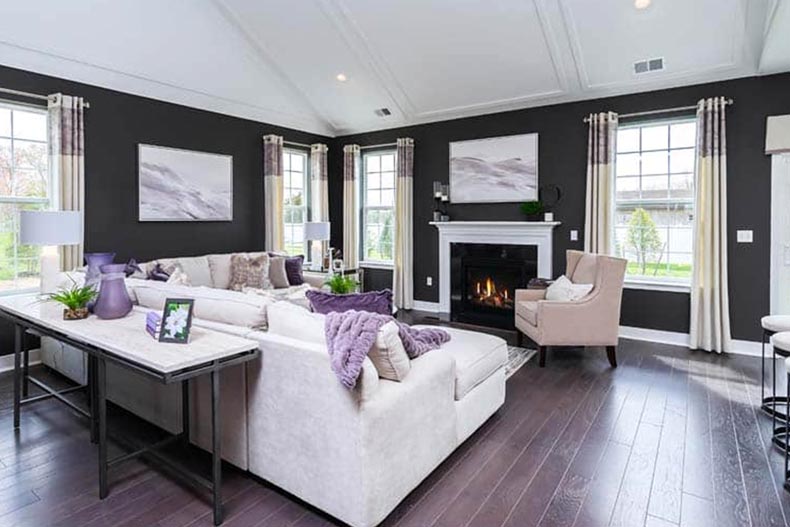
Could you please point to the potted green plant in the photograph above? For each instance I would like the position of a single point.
(341, 285)
(75, 300)
(532, 210)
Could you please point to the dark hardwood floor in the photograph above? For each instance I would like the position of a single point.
(668, 438)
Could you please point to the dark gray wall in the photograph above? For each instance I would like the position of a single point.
(114, 125)
(562, 160)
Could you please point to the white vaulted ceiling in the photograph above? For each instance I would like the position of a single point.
(425, 60)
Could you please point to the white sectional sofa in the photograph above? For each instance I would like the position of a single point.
(354, 454)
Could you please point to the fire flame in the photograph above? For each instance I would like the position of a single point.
(486, 293)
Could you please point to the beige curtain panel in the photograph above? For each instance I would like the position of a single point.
(599, 206)
(350, 206)
(710, 310)
(403, 271)
(67, 161)
(319, 178)
(273, 192)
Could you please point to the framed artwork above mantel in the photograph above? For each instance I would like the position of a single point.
(494, 170)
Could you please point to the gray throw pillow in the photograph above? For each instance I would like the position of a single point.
(249, 271)
(277, 275)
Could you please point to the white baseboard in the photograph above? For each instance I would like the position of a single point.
(739, 347)
(431, 307)
(7, 361)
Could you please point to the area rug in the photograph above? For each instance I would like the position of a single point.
(516, 358)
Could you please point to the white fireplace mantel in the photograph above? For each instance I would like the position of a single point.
(537, 233)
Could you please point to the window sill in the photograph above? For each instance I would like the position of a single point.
(376, 265)
(671, 287)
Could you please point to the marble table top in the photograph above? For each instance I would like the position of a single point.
(127, 338)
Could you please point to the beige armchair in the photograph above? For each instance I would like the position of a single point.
(592, 321)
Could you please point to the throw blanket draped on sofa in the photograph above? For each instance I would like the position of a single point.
(351, 334)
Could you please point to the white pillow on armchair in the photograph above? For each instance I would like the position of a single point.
(563, 290)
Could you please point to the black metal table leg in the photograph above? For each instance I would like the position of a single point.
(216, 434)
(25, 365)
(101, 401)
(185, 411)
(787, 427)
(17, 372)
(92, 399)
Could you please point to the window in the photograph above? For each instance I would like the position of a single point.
(378, 207)
(654, 189)
(296, 187)
(24, 184)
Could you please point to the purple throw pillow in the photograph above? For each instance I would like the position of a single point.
(132, 267)
(293, 268)
(374, 301)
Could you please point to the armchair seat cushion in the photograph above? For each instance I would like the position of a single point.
(528, 310)
(477, 356)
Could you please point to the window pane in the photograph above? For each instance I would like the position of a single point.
(373, 181)
(30, 125)
(30, 155)
(680, 215)
(655, 187)
(388, 180)
(627, 187)
(654, 163)
(6, 188)
(297, 163)
(628, 140)
(373, 198)
(5, 122)
(681, 161)
(655, 137)
(373, 164)
(627, 165)
(681, 186)
(387, 162)
(5, 153)
(683, 135)
(30, 183)
(680, 240)
(388, 198)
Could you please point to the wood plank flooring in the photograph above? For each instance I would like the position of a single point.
(670, 438)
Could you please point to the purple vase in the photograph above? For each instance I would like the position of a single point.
(113, 301)
(93, 273)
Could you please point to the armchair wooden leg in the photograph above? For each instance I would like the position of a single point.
(542, 356)
(610, 354)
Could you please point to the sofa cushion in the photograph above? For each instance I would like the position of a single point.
(290, 320)
(528, 310)
(477, 356)
(277, 274)
(228, 307)
(586, 270)
(219, 265)
(196, 268)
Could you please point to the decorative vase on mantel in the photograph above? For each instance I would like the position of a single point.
(113, 301)
(93, 273)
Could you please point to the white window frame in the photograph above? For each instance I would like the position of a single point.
(364, 208)
(46, 202)
(671, 284)
(305, 194)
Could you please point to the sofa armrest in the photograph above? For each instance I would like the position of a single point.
(315, 280)
(530, 295)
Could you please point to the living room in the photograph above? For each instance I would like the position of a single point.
(272, 263)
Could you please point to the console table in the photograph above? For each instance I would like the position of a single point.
(126, 343)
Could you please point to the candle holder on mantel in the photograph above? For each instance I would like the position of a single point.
(441, 195)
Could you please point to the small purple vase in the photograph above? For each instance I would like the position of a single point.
(93, 273)
(113, 301)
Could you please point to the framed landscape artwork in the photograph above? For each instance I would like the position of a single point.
(184, 185)
(494, 170)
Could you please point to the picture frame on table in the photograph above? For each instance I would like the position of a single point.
(177, 320)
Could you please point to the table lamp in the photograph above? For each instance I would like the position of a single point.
(50, 229)
(316, 231)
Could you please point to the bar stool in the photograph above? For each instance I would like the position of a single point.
(773, 324)
(781, 343)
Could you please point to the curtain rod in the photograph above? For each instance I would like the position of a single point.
(383, 145)
(33, 95)
(301, 145)
(665, 110)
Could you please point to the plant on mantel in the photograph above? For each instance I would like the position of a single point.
(532, 210)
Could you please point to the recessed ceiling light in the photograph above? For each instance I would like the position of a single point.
(341, 77)
(642, 4)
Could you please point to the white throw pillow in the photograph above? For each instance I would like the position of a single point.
(388, 354)
(563, 290)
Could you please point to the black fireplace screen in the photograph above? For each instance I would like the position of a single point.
(484, 278)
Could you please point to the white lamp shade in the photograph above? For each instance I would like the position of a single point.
(316, 230)
(50, 227)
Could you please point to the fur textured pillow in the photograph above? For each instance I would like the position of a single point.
(249, 271)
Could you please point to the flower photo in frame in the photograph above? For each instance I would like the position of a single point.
(176, 320)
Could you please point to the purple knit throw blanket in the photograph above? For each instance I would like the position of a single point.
(351, 334)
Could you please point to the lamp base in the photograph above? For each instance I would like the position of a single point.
(50, 267)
